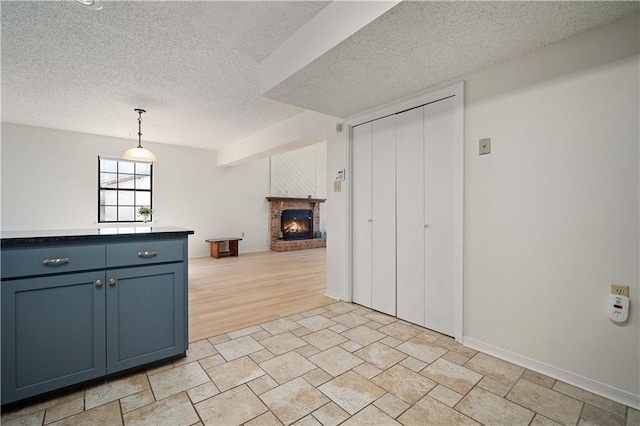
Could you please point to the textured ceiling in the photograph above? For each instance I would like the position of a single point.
(191, 65)
(417, 45)
(194, 65)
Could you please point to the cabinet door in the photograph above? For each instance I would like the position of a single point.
(410, 215)
(440, 212)
(145, 315)
(53, 333)
(361, 214)
(383, 207)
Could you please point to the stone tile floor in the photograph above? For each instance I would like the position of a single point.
(343, 364)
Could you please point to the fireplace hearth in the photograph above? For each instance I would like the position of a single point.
(296, 224)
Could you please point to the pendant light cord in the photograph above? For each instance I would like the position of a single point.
(140, 111)
(139, 153)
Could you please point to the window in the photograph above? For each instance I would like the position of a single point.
(124, 187)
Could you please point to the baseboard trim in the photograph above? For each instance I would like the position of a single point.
(333, 295)
(604, 390)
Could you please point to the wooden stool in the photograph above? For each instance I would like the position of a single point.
(215, 246)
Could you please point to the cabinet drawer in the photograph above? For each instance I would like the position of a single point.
(144, 252)
(23, 262)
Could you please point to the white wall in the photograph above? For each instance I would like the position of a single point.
(300, 173)
(552, 220)
(337, 216)
(321, 181)
(296, 173)
(552, 214)
(49, 181)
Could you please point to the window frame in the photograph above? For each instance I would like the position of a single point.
(117, 189)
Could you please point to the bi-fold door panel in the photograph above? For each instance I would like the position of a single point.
(404, 213)
(361, 214)
(410, 215)
(440, 214)
(383, 209)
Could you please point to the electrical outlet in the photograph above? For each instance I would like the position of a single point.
(620, 290)
(243, 235)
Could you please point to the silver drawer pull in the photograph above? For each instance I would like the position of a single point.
(54, 262)
(147, 253)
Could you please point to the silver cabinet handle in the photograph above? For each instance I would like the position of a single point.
(98, 283)
(112, 281)
(54, 262)
(147, 253)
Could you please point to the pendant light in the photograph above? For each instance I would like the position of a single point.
(139, 153)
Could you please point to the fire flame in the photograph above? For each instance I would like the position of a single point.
(295, 226)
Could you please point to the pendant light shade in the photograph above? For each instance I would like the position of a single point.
(139, 153)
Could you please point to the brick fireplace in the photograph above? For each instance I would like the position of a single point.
(276, 206)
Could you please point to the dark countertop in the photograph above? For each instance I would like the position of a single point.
(95, 234)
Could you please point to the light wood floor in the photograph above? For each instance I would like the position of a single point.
(230, 293)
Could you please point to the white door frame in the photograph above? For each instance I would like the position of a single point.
(456, 90)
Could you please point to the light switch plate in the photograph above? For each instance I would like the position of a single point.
(485, 146)
(337, 186)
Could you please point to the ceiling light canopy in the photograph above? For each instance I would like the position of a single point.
(139, 153)
(90, 4)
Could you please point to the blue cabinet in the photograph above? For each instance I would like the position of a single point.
(76, 312)
(145, 315)
(53, 333)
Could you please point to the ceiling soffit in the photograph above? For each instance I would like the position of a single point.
(418, 45)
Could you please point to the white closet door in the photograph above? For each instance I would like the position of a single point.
(440, 215)
(361, 214)
(383, 226)
(410, 215)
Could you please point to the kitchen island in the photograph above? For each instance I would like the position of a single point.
(78, 305)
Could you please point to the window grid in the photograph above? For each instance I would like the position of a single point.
(123, 187)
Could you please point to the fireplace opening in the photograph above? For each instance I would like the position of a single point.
(296, 224)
